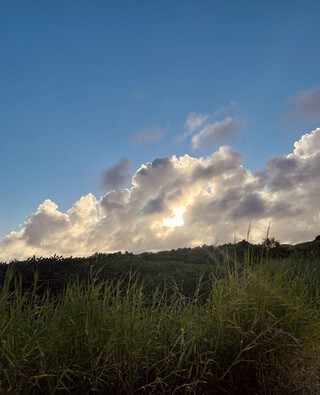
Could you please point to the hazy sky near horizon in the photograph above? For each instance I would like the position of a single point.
(143, 125)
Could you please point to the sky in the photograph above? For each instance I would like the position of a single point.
(147, 125)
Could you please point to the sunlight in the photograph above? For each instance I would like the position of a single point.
(176, 220)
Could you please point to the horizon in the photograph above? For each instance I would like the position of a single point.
(150, 126)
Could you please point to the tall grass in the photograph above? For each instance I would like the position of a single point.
(256, 332)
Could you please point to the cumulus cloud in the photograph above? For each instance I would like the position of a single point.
(45, 224)
(149, 135)
(184, 201)
(306, 104)
(117, 176)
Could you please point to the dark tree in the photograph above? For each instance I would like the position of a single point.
(270, 243)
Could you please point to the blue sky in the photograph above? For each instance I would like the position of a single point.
(87, 83)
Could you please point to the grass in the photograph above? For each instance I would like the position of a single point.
(256, 331)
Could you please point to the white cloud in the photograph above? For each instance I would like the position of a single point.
(213, 133)
(304, 149)
(194, 121)
(207, 133)
(184, 201)
(46, 223)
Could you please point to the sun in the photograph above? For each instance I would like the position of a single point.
(176, 220)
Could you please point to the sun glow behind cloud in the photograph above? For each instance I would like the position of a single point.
(176, 220)
(183, 201)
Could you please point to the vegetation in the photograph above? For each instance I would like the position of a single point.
(158, 324)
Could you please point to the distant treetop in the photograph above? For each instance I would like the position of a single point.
(270, 242)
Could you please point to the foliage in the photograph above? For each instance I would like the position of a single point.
(270, 243)
(243, 327)
(183, 265)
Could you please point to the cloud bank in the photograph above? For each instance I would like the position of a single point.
(183, 201)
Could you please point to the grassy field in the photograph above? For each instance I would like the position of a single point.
(253, 329)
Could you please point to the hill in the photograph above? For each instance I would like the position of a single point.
(182, 266)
